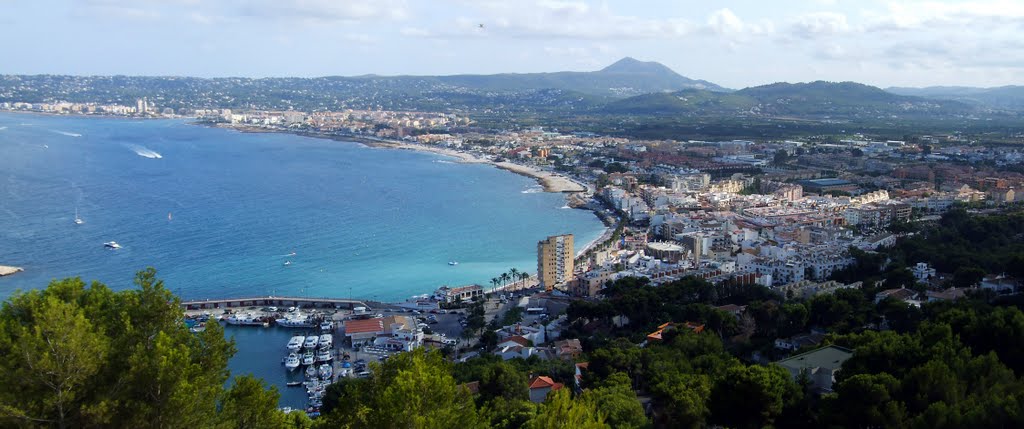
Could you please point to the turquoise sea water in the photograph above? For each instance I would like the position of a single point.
(217, 212)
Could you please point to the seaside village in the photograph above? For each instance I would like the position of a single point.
(781, 214)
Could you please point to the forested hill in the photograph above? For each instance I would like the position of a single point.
(842, 100)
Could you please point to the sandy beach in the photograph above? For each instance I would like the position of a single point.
(550, 181)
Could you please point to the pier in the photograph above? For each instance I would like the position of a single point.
(274, 301)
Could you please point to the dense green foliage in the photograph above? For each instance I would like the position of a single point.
(965, 245)
(411, 390)
(994, 243)
(86, 356)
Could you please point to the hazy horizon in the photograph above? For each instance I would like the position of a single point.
(735, 45)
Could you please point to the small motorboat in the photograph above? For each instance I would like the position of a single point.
(112, 245)
(309, 358)
(453, 263)
(311, 372)
(293, 383)
(287, 263)
(324, 355)
(326, 371)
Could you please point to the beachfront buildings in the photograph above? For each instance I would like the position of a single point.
(458, 294)
(555, 261)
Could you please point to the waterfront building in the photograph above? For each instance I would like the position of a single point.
(461, 293)
(555, 261)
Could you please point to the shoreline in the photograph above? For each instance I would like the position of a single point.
(551, 182)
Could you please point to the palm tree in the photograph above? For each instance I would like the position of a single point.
(514, 274)
(494, 281)
(504, 278)
(526, 276)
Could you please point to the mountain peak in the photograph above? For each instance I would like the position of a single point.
(633, 65)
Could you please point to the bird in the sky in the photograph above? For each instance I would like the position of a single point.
(480, 25)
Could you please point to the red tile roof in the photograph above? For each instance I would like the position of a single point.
(543, 381)
(364, 326)
(518, 339)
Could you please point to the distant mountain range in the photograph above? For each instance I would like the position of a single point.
(627, 87)
(1003, 97)
(842, 100)
(626, 77)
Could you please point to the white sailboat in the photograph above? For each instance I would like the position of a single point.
(78, 220)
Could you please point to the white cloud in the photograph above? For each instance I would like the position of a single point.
(819, 24)
(723, 21)
(548, 19)
(327, 10)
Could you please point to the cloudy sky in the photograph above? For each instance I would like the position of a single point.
(732, 43)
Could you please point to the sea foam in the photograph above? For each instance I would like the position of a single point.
(145, 152)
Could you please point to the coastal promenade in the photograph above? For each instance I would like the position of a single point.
(276, 301)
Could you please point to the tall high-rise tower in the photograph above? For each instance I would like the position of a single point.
(555, 260)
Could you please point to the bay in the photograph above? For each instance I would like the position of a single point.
(219, 212)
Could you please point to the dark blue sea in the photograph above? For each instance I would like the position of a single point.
(219, 212)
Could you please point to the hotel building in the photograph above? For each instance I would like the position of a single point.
(555, 260)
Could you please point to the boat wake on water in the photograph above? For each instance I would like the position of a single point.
(145, 152)
(67, 133)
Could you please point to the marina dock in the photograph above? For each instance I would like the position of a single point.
(7, 270)
(276, 301)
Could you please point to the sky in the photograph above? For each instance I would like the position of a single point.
(732, 43)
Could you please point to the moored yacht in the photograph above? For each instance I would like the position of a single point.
(324, 355)
(311, 372)
(292, 361)
(311, 342)
(294, 321)
(295, 344)
(244, 319)
(326, 341)
(308, 359)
